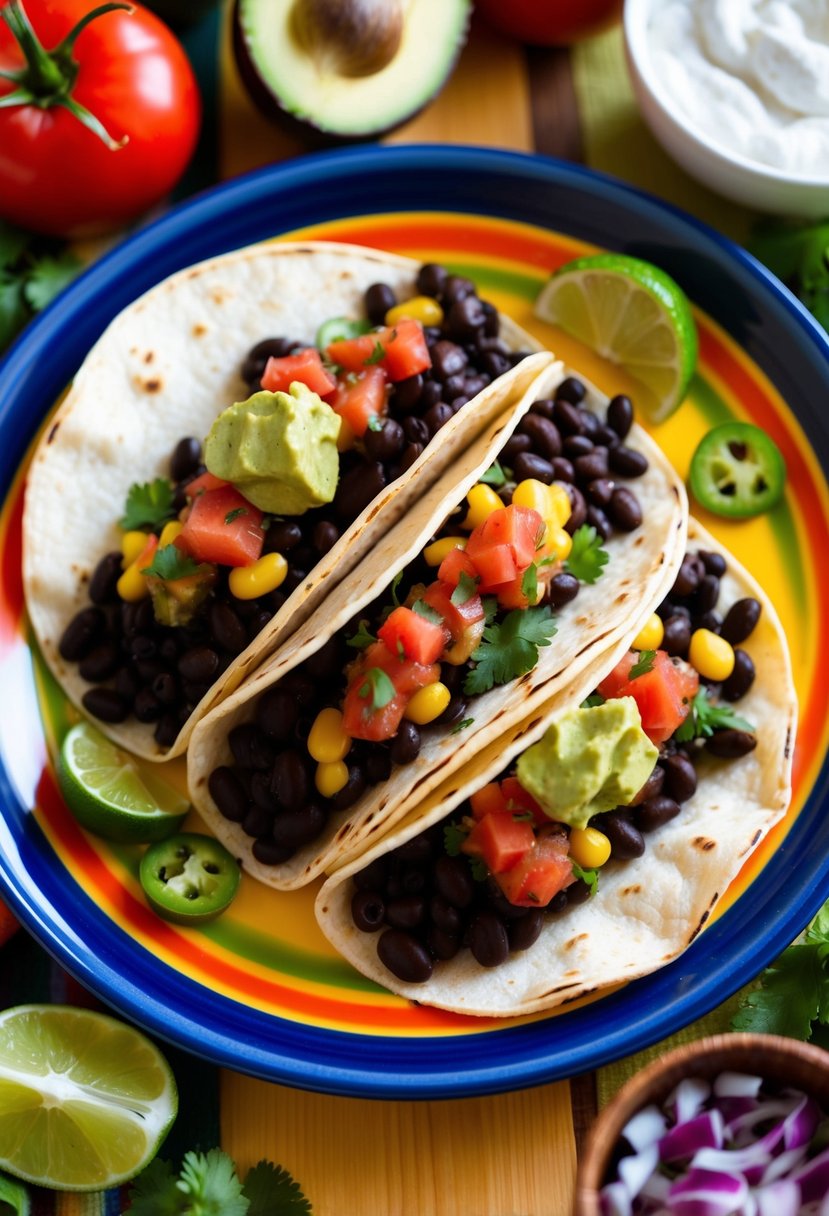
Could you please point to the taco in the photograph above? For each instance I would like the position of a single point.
(539, 873)
(289, 492)
(541, 547)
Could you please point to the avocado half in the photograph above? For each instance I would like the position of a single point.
(347, 70)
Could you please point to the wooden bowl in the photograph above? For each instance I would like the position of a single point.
(772, 1057)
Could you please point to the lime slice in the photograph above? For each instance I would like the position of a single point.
(632, 313)
(108, 793)
(85, 1100)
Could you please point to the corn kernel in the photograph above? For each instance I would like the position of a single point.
(331, 777)
(560, 507)
(712, 656)
(169, 532)
(482, 501)
(424, 309)
(327, 741)
(650, 635)
(262, 576)
(428, 703)
(589, 847)
(434, 554)
(534, 494)
(558, 542)
(132, 585)
(132, 546)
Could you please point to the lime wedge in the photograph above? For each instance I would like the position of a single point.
(85, 1100)
(631, 312)
(110, 795)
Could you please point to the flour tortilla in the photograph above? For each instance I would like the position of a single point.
(163, 369)
(641, 568)
(646, 911)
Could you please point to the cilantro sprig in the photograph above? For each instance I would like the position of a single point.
(509, 648)
(591, 877)
(793, 997)
(148, 505)
(363, 638)
(494, 476)
(377, 689)
(208, 1185)
(643, 664)
(33, 270)
(466, 588)
(170, 563)
(587, 558)
(706, 717)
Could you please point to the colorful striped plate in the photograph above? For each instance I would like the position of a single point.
(259, 990)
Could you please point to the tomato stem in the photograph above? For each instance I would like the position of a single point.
(48, 77)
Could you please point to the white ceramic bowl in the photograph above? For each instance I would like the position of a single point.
(751, 183)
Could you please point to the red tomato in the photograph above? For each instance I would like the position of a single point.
(457, 617)
(59, 177)
(410, 634)
(663, 695)
(518, 799)
(500, 840)
(359, 719)
(202, 483)
(305, 366)
(549, 22)
(214, 532)
(519, 528)
(404, 348)
(487, 798)
(540, 874)
(453, 566)
(495, 566)
(363, 400)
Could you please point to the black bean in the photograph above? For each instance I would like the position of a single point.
(730, 744)
(625, 840)
(495, 364)
(592, 466)
(680, 777)
(289, 781)
(300, 687)
(102, 585)
(186, 456)
(455, 712)
(257, 357)
(294, 829)
(741, 678)
(577, 892)
(270, 853)
(598, 492)
(404, 956)
(127, 683)
(453, 880)
(589, 422)
(709, 620)
(368, 911)
(193, 693)
(559, 901)
(146, 706)
(497, 901)
(441, 944)
(445, 915)
(81, 634)
(652, 786)
(166, 731)
(386, 443)
(562, 589)
(456, 287)
(654, 812)
(261, 793)
(627, 462)
(488, 939)
(606, 436)
(357, 489)
(406, 912)
(165, 689)
(448, 359)
(143, 647)
(106, 704)
(277, 712)
(545, 406)
(620, 414)
(454, 386)
(413, 880)
(567, 417)
(100, 663)
(295, 577)
(283, 535)
(706, 594)
(431, 278)
(575, 446)
(465, 318)
(378, 299)
(688, 577)
(524, 932)
(527, 464)
(199, 664)
(325, 662)
(353, 789)
(515, 444)
(373, 876)
(378, 766)
(740, 620)
(624, 509)
(563, 470)
(258, 821)
(677, 636)
(251, 747)
(226, 628)
(543, 433)
(405, 745)
(597, 519)
(227, 792)
(578, 509)
(571, 389)
(714, 562)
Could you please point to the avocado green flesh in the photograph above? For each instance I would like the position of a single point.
(433, 34)
(588, 761)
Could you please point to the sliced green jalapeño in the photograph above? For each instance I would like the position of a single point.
(189, 878)
(737, 471)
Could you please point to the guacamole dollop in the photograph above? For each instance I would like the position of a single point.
(278, 449)
(589, 760)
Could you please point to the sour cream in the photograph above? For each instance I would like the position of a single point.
(749, 75)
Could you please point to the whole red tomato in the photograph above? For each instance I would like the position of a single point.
(549, 22)
(125, 69)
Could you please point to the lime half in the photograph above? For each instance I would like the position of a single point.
(85, 1100)
(110, 795)
(631, 312)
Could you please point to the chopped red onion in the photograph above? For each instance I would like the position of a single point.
(703, 1192)
(645, 1128)
(780, 1198)
(703, 1131)
(688, 1098)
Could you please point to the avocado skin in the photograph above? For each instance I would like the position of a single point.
(304, 130)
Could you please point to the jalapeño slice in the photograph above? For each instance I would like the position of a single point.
(189, 878)
(737, 471)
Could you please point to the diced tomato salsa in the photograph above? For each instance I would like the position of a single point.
(222, 527)
(400, 349)
(360, 719)
(305, 367)
(663, 695)
(365, 398)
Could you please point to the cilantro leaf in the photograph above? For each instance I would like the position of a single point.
(362, 638)
(234, 514)
(170, 563)
(529, 583)
(454, 834)
(643, 664)
(587, 558)
(33, 270)
(459, 726)
(378, 687)
(148, 504)
(591, 877)
(794, 993)
(47, 277)
(272, 1191)
(592, 701)
(377, 354)
(210, 1183)
(375, 422)
(509, 649)
(479, 868)
(494, 476)
(395, 583)
(427, 612)
(706, 717)
(155, 1193)
(466, 588)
